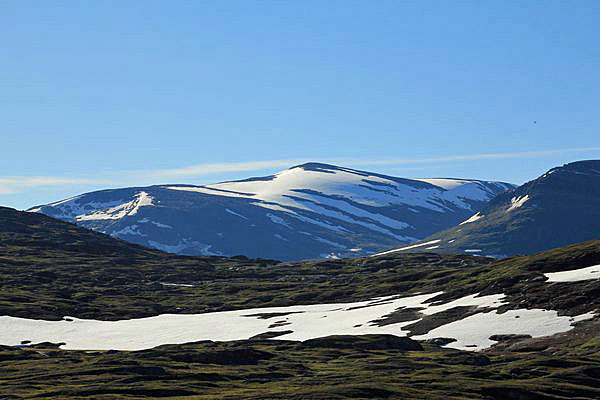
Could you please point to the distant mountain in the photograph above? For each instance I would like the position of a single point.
(559, 208)
(308, 211)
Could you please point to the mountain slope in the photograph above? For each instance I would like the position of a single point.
(558, 208)
(308, 211)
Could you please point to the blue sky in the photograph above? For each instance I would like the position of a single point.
(111, 93)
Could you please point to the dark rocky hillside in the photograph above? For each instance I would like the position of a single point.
(559, 208)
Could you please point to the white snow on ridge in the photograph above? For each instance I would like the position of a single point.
(329, 242)
(305, 322)
(472, 219)
(414, 246)
(575, 275)
(160, 225)
(182, 245)
(517, 202)
(142, 199)
(278, 220)
(236, 214)
(445, 183)
(339, 193)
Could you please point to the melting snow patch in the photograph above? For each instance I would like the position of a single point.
(329, 242)
(146, 220)
(581, 274)
(517, 202)
(177, 284)
(305, 322)
(236, 214)
(414, 246)
(278, 236)
(472, 219)
(473, 333)
(164, 226)
(278, 220)
(185, 244)
(129, 230)
(142, 199)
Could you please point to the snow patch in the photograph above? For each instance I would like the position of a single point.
(517, 202)
(575, 275)
(414, 246)
(305, 322)
(472, 219)
(129, 230)
(160, 225)
(473, 333)
(142, 199)
(185, 244)
(236, 214)
(329, 242)
(278, 236)
(278, 220)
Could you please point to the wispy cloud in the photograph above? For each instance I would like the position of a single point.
(472, 157)
(219, 168)
(199, 170)
(17, 184)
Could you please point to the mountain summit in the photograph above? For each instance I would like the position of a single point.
(311, 210)
(560, 207)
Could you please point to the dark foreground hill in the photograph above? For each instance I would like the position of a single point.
(559, 208)
(63, 274)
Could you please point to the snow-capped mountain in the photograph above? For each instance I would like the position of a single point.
(560, 207)
(308, 211)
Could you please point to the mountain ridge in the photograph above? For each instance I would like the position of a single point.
(556, 209)
(312, 210)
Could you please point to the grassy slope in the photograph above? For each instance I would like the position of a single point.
(49, 269)
(291, 370)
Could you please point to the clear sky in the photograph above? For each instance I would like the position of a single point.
(97, 94)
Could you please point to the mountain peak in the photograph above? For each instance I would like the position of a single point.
(558, 208)
(316, 166)
(584, 166)
(312, 210)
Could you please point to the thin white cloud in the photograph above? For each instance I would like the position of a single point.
(17, 184)
(218, 168)
(470, 157)
(198, 170)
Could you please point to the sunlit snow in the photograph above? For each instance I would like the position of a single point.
(142, 199)
(517, 202)
(472, 219)
(574, 275)
(305, 322)
(414, 246)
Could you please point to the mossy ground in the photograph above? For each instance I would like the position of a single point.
(49, 269)
(292, 370)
